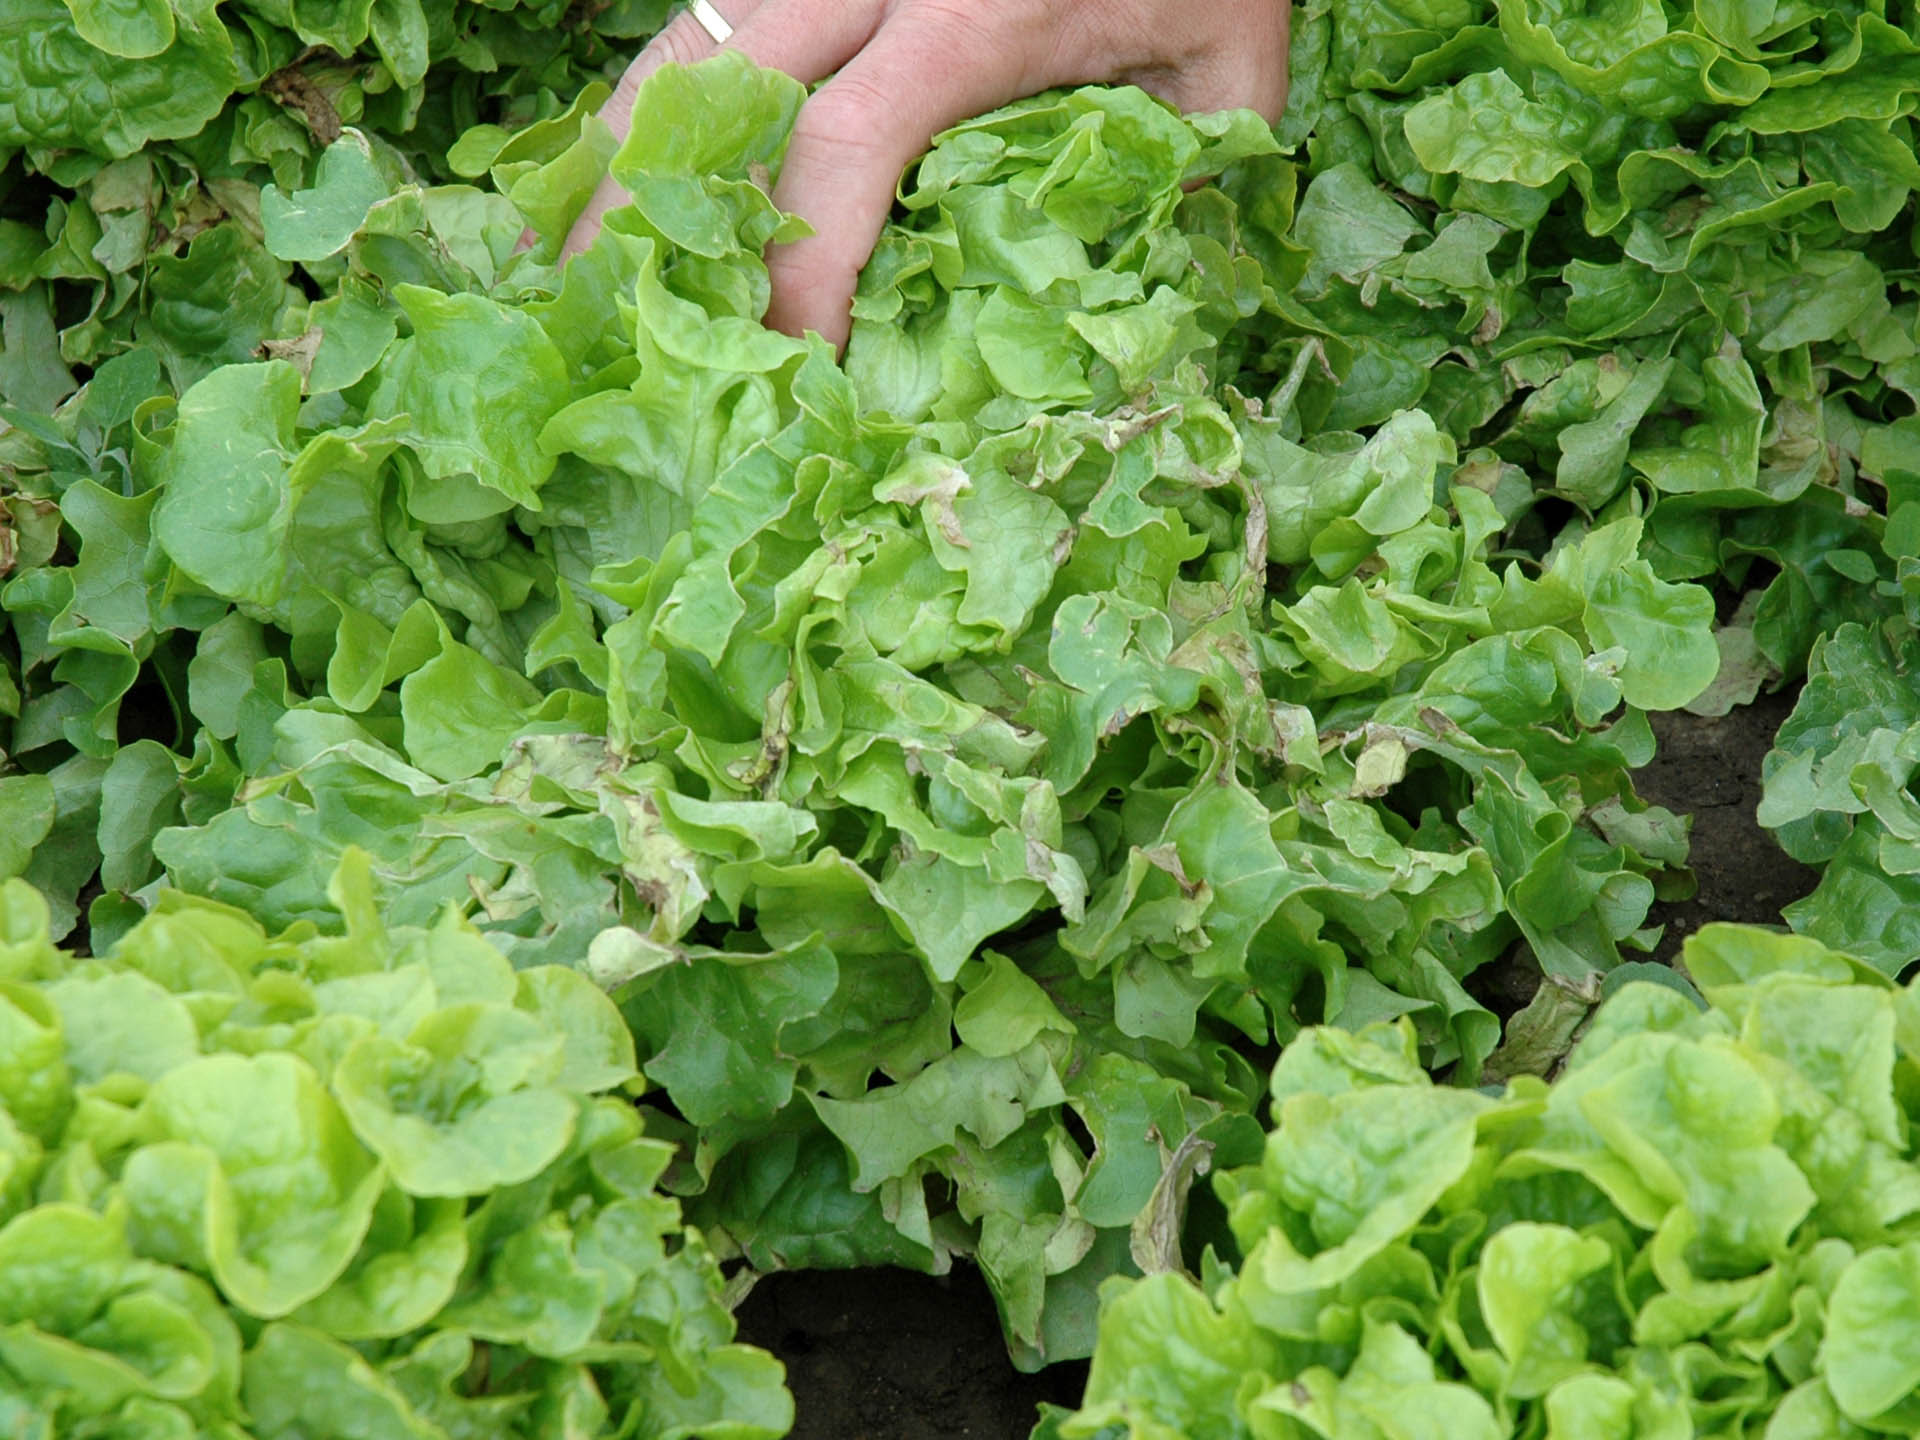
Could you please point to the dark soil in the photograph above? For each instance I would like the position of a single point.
(1710, 769)
(889, 1355)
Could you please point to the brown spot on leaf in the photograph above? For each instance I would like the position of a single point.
(291, 88)
(297, 352)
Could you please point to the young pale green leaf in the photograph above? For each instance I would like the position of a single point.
(1868, 1355)
(226, 505)
(1528, 1280)
(477, 382)
(463, 1105)
(256, 1176)
(317, 222)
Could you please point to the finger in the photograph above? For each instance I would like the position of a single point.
(682, 41)
(922, 72)
(609, 194)
(1251, 74)
(794, 36)
(780, 34)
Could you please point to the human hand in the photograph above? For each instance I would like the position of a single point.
(904, 70)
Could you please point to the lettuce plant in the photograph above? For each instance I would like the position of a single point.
(1187, 615)
(1838, 791)
(137, 139)
(1705, 1226)
(954, 760)
(372, 1184)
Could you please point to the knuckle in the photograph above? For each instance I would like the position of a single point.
(852, 112)
(683, 42)
(976, 36)
(620, 103)
(960, 20)
(811, 269)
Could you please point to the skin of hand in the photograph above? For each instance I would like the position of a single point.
(904, 70)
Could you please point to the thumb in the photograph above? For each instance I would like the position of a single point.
(920, 74)
(787, 35)
(682, 42)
